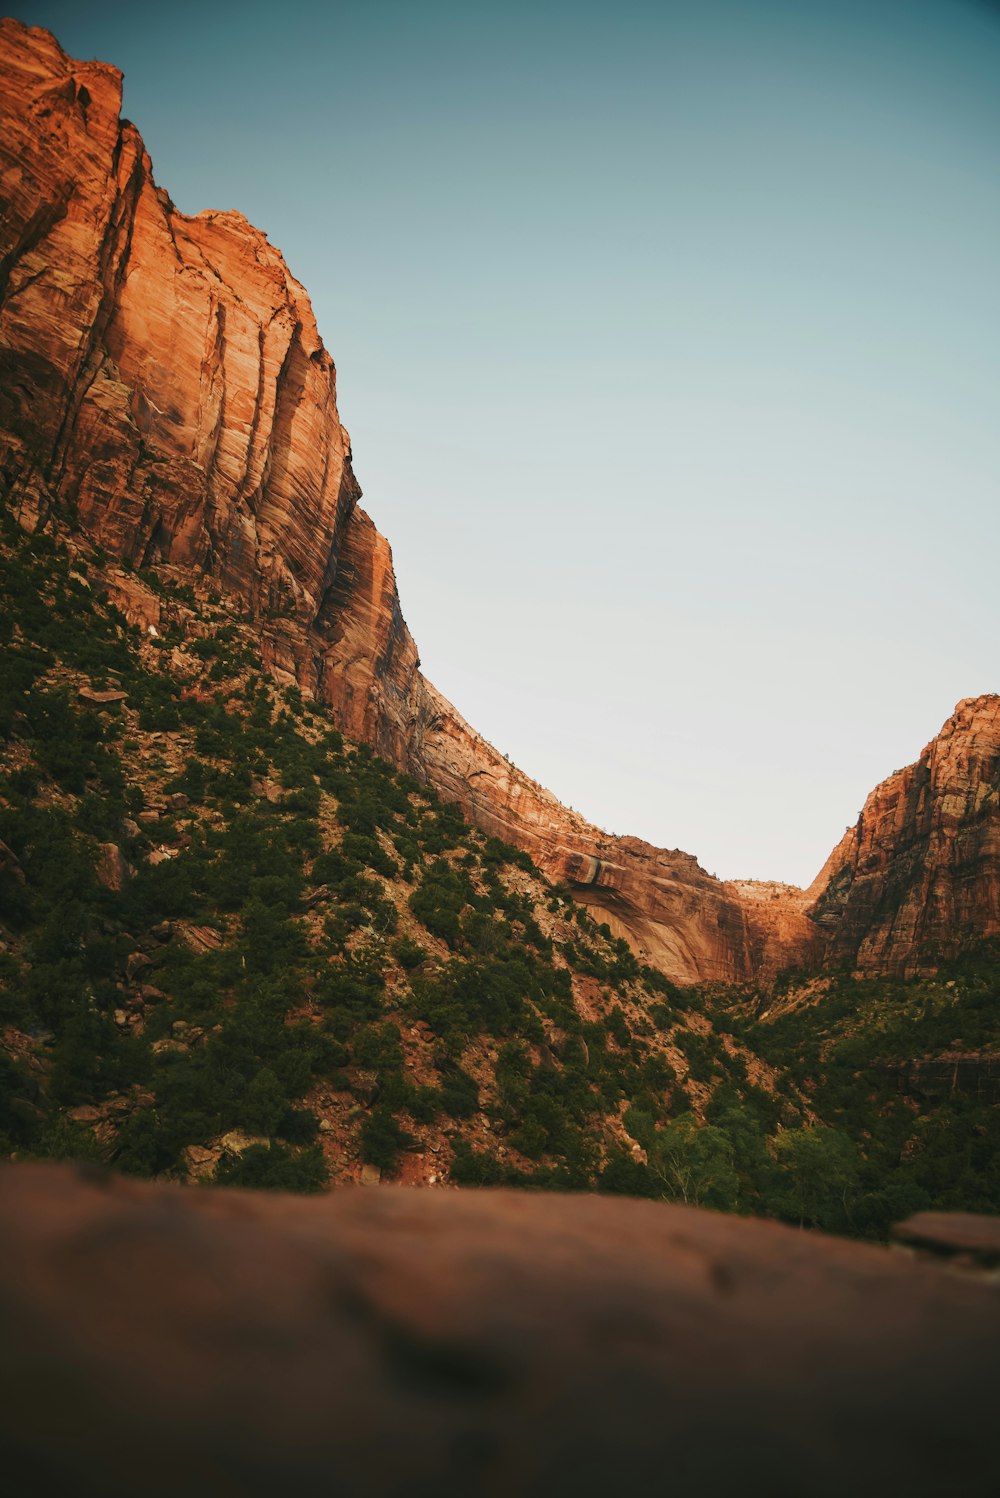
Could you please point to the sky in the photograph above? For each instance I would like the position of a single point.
(668, 338)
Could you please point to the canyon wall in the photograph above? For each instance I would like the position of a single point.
(164, 386)
(918, 875)
(162, 380)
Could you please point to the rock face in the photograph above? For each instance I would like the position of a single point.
(919, 874)
(386, 1341)
(674, 914)
(162, 380)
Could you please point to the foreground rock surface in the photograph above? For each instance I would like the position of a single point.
(162, 1340)
(162, 379)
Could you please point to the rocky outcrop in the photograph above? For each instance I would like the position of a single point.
(781, 931)
(387, 1341)
(918, 876)
(163, 384)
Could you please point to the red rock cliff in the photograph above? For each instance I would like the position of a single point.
(162, 379)
(919, 874)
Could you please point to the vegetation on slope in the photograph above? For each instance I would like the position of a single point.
(236, 947)
(905, 1072)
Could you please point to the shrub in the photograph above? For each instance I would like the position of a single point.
(274, 1167)
(470, 1167)
(408, 953)
(382, 1139)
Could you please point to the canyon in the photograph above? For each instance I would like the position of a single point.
(243, 952)
(163, 384)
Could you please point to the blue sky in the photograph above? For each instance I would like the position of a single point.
(668, 337)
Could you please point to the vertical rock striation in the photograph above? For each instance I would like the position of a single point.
(163, 374)
(162, 379)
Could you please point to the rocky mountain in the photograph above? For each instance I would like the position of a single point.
(164, 380)
(163, 384)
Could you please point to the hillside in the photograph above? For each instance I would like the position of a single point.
(238, 947)
(227, 924)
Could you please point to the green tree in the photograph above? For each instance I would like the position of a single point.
(694, 1163)
(818, 1177)
(754, 1167)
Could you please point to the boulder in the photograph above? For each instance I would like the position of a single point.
(94, 698)
(201, 939)
(113, 868)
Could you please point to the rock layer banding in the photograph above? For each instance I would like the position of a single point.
(163, 383)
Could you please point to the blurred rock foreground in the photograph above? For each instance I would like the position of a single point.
(162, 1340)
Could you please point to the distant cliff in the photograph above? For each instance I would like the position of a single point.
(918, 876)
(163, 383)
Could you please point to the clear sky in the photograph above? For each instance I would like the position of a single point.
(668, 337)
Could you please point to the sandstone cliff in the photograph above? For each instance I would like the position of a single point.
(163, 383)
(919, 873)
(163, 380)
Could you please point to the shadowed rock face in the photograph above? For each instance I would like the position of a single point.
(162, 379)
(163, 1340)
